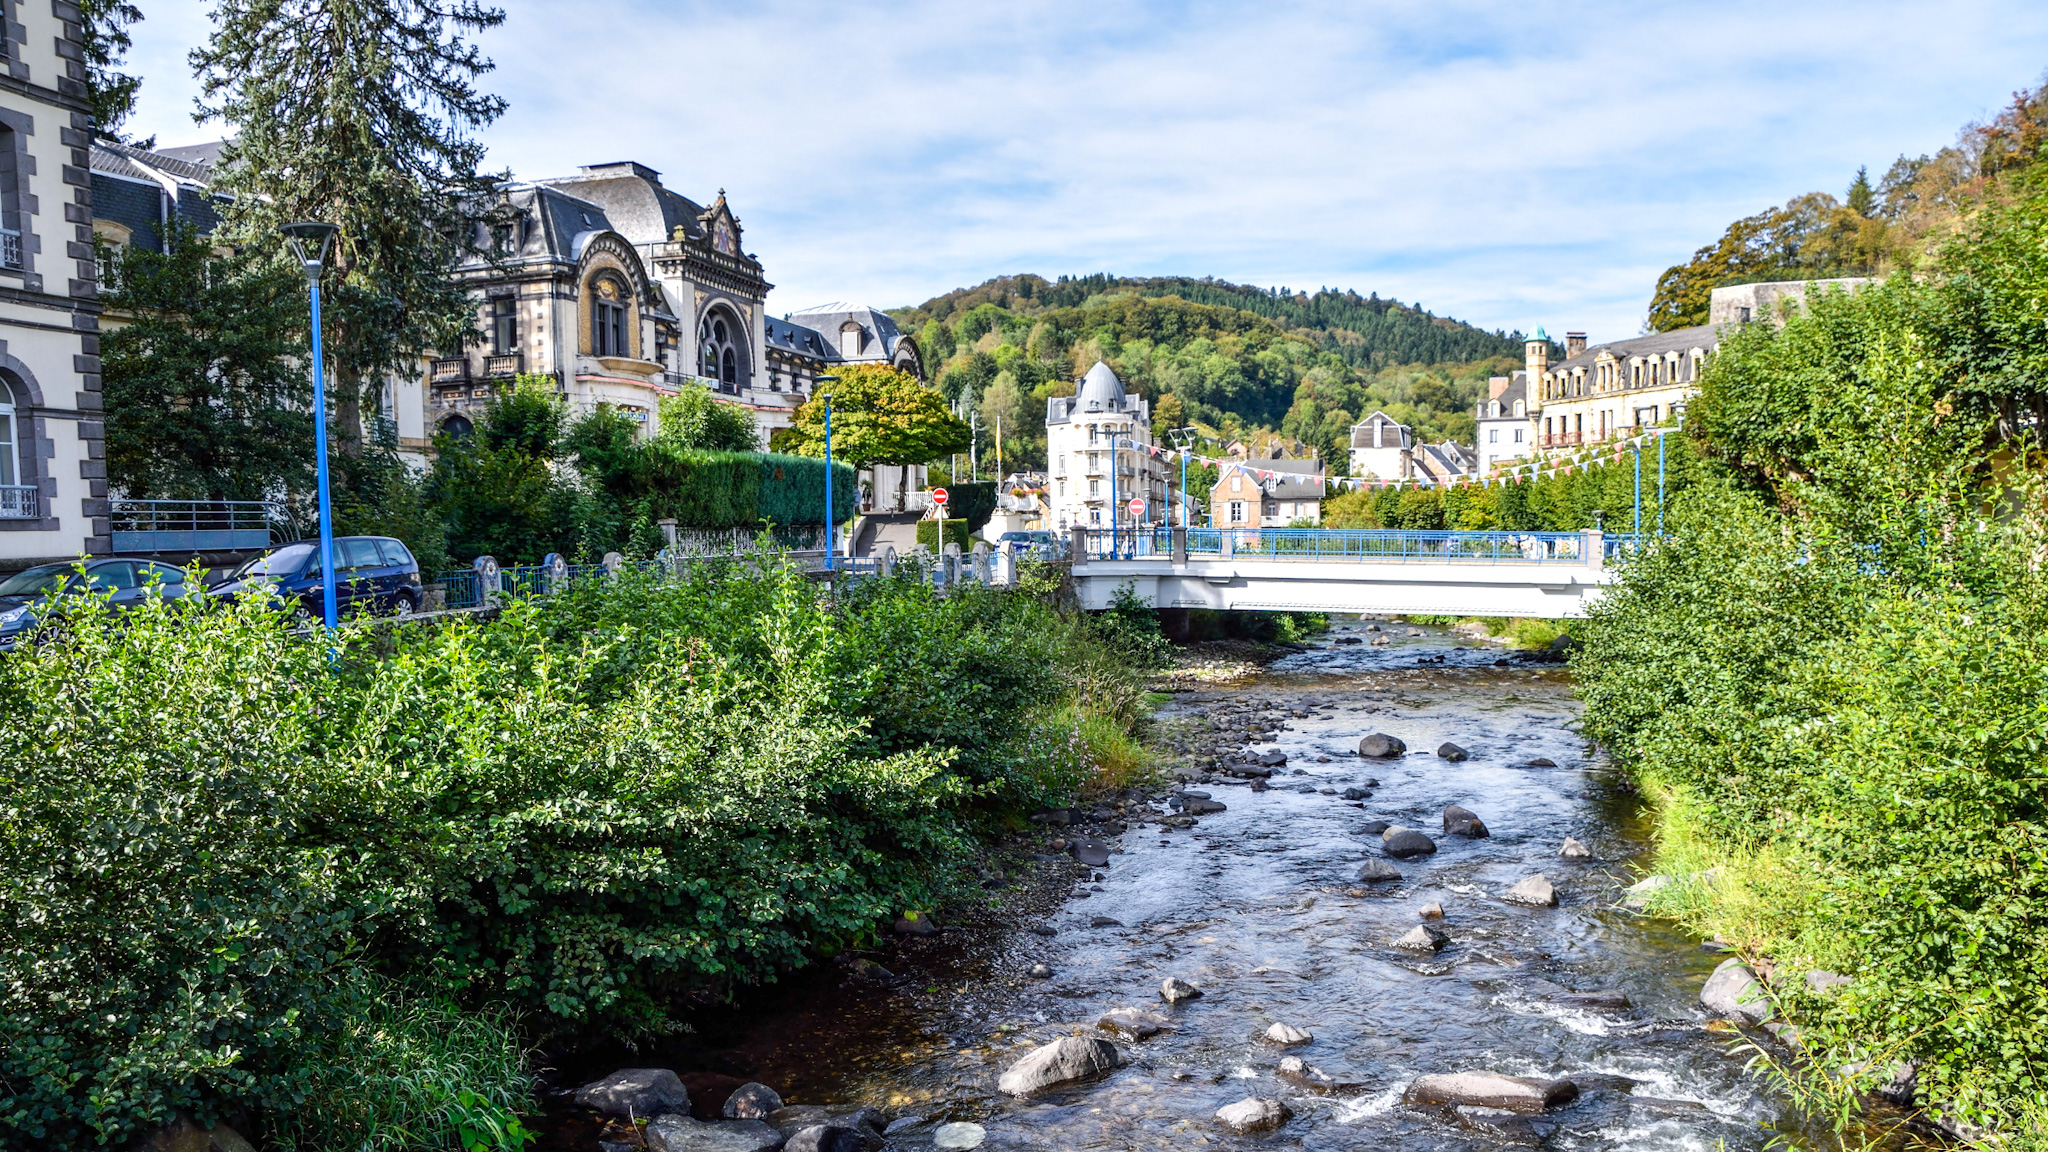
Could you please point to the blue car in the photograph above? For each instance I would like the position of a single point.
(32, 600)
(371, 574)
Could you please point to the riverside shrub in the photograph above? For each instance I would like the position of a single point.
(1834, 678)
(212, 836)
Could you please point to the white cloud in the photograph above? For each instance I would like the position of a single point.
(1508, 165)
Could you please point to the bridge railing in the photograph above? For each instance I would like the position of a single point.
(1359, 544)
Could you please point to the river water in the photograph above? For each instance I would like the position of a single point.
(1259, 906)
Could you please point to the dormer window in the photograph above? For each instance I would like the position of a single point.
(849, 339)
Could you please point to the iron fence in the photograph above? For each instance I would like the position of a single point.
(1359, 544)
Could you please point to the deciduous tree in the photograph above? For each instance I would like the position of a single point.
(880, 416)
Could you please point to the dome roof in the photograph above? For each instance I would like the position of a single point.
(1100, 391)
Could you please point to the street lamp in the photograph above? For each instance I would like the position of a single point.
(831, 540)
(1184, 439)
(310, 240)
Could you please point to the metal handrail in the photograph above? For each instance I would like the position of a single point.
(203, 525)
(1361, 544)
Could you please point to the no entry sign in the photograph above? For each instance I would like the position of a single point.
(939, 497)
(1137, 507)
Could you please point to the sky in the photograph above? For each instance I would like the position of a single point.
(1513, 165)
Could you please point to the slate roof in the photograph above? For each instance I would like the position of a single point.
(880, 334)
(1361, 432)
(633, 201)
(1655, 344)
(795, 338)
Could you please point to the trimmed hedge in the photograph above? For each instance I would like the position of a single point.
(707, 489)
(973, 503)
(956, 533)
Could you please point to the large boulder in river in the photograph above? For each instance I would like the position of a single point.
(1173, 990)
(1492, 1090)
(636, 1092)
(1402, 843)
(751, 1101)
(1271, 758)
(1093, 853)
(795, 1119)
(673, 1133)
(1451, 752)
(1381, 746)
(1734, 993)
(1423, 938)
(1462, 821)
(1535, 891)
(1377, 871)
(1201, 806)
(1253, 1114)
(1064, 1061)
(826, 1138)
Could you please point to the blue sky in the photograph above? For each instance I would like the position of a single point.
(1507, 164)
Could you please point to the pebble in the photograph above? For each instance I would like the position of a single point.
(1573, 850)
(1254, 1114)
(1431, 911)
(959, 1135)
(1280, 1033)
(1174, 990)
(1040, 972)
(1535, 891)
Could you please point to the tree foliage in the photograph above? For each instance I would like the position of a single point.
(361, 113)
(103, 28)
(880, 415)
(205, 390)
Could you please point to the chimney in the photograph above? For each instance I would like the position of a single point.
(1495, 387)
(1574, 343)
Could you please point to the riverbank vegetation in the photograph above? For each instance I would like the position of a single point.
(1832, 677)
(334, 895)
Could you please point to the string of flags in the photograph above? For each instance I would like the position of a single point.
(1520, 473)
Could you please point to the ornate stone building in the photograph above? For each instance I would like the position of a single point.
(53, 470)
(1613, 390)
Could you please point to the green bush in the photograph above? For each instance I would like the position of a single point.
(956, 533)
(973, 503)
(792, 490)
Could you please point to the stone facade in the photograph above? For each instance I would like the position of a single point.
(1272, 491)
(53, 470)
(1613, 390)
(1079, 433)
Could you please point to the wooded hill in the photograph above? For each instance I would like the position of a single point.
(1234, 360)
(1897, 223)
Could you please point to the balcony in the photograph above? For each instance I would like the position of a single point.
(10, 248)
(502, 367)
(20, 502)
(454, 371)
(187, 526)
(1561, 440)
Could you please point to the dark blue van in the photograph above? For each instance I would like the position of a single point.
(371, 573)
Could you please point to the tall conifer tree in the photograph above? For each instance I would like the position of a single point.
(363, 113)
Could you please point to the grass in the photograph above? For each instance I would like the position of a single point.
(407, 1073)
(1521, 631)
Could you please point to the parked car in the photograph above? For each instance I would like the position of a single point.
(32, 601)
(371, 573)
(1038, 545)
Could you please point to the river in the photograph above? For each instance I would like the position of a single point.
(1259, 906)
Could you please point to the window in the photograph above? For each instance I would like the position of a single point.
(1493, 435)
(395, 554)
(501, 239)
(1095, 487)
(504, 326)
(849, 339)
(608, 319)
(1237, 511)
(1092, 430)
(1518, 412)
(1062, 471)
(1063, 488)
(358, 552)
(1095, 516)
(8, 473)
(162, 574)
(1518, 435)
(717, 339)
(119, 576)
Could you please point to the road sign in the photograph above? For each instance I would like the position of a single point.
(1137, 507)
(939, 497)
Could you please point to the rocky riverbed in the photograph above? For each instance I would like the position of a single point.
(1289, 944)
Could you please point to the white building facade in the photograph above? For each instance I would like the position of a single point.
(1098, 443)
(53, 471)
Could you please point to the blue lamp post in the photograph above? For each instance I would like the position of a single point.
(310, 240)
(831, 528)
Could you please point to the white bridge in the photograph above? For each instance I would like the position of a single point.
(1536, 574)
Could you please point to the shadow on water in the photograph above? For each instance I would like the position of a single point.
(1260, 906)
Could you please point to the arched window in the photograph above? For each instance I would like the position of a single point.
(718, 351)
(608, 331)
(10, 471)
(18, 499)
(457, 425)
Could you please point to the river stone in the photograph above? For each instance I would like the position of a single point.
(1543, 762)
(1573, 850)
(1402, 843)
(1431, 911)
(1356, 794)
(1381, 746)
(1104, 922)
(1202, 806)
(752, 1101)
(1374, 827)
(1272, 758)
(1093, 853)
(1492, 1090)
(915, 924)
(1535, 891)
(1375, 871)
(1452, 752)
(1461, 821)
(1280, 1033)
(1734, 993)
(1063, 1061)
(959, 1135)
(1174, 990)
(1040, 972)
(1423, 938)
(636, 1092)
(864, 1121)
(1380, 641)
(1610, 1001)
(673, 1133)
(1636, 896)
(1822, 981)
(1133, 1023)
(1253, 1114)
(826, 1138)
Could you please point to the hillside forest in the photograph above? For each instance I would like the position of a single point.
(1894, 223)
(1235, 362)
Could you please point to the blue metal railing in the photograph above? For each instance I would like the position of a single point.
(197, 525)
(1360, 544)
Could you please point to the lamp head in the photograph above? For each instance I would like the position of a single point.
(309, 240)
